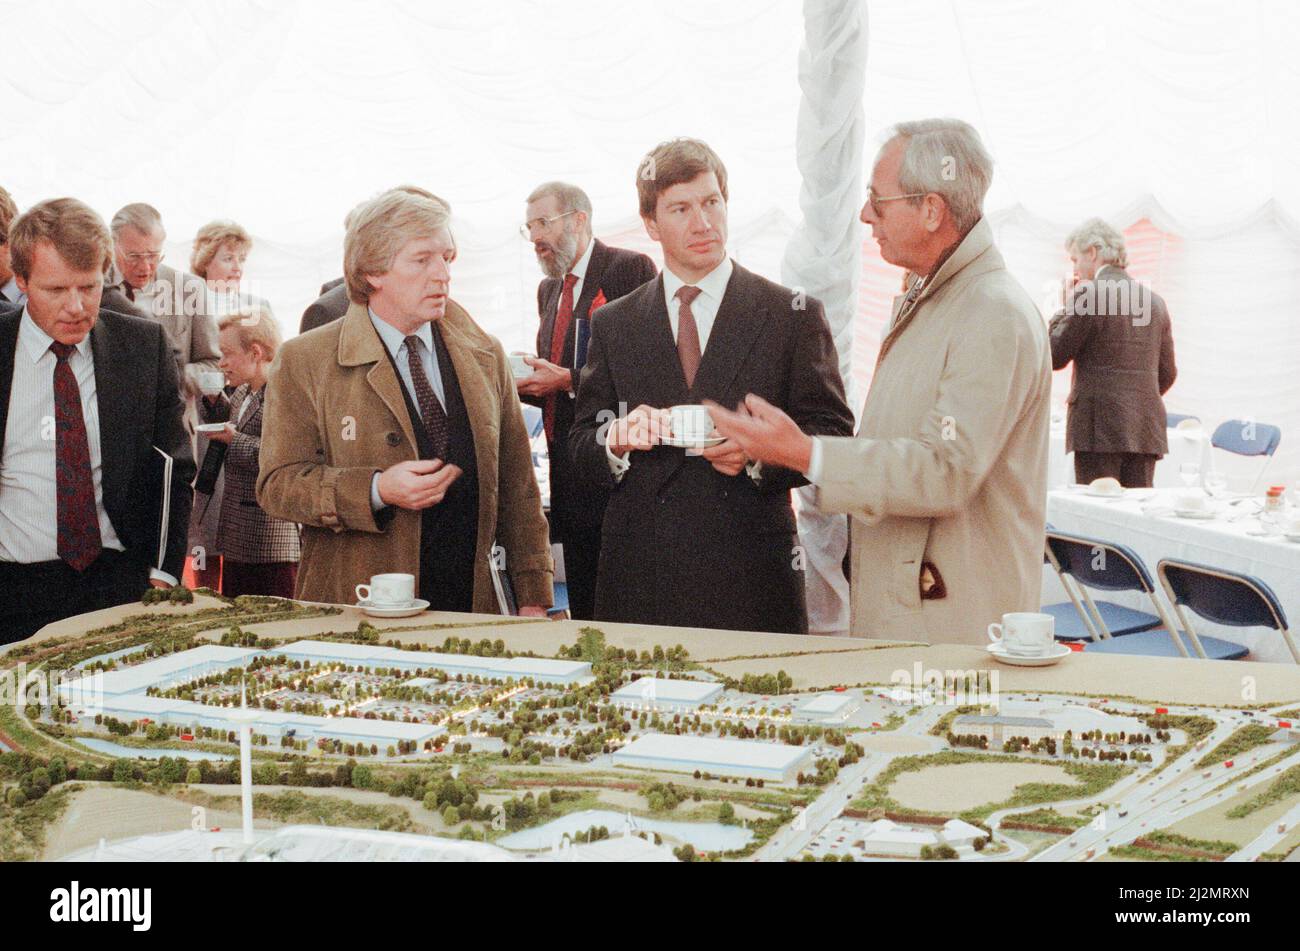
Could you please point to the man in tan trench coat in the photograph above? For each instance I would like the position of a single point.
(946, 480)
(394, 435)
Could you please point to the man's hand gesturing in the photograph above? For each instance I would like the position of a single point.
(416, 484)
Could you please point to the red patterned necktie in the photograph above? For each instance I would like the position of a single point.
(431, 411)
(688, 334)
(79, 539)
(563, 319)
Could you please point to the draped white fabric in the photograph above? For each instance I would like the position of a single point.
(823, 258)
(1176, 121)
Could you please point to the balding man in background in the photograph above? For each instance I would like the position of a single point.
(1118, 334)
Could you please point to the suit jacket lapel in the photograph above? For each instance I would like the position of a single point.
(591, 281)
(549, 309)
(475, 366)
(114, 402)
(735, 329)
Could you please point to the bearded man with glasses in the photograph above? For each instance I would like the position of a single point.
(582, 274)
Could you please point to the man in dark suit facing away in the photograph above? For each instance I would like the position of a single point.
(581, 275)
(1118, 334)
(86, 395)
(703, 540)
(332, 304)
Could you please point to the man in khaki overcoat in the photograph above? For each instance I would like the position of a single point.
(946, 480)
(394, 435)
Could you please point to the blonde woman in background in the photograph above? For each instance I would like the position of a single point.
(259, 553)
(220, 252)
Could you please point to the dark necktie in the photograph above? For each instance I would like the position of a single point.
(563, 319)
(431, 411)
(78, 517)
(129, 291)
(688, 334)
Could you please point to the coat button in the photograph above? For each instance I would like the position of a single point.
(394, 439)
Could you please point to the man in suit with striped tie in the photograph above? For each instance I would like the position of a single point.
(701, 539)
(86, 395)
(581, 275)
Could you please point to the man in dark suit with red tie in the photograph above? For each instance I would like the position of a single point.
(582, 274)
(699, 538)
(87, 398)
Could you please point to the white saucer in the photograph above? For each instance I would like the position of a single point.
(404, 610)
(1027, 660)
(1193, 513)
(209, 427)
(704, 443)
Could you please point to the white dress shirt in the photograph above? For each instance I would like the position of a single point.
(395, 342)
(29, 510)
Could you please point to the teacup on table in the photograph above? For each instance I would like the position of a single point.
(1194, 503)
(1027, 633)
(388, 591)
(691, 423)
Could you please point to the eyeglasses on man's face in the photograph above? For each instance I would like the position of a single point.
(144, 257)
(875, 200)
(540, 224)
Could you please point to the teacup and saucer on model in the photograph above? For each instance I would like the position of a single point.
(692, 428)
(1026, 639)
(390, 595)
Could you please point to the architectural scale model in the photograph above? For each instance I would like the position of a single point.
(261, 729)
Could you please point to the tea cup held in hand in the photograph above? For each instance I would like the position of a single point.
(390, 590)
(1024, 632)
(211, 382)
(690, 423)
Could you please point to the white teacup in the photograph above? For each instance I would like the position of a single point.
(392, 590)
(1024, 632)
(691, 423)
(1291, 524)
(211, 382)
(1194, 502)
(518, 367)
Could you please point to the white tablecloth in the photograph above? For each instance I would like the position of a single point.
(1218, 543)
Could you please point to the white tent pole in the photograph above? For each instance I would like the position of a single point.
(823, 257)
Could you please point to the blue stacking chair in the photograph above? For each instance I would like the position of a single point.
(1173, 419)
(1244, 438)
(1072, 621)
(1224, 597)
(533, 419)
(1092, 563)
